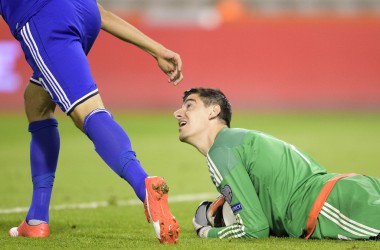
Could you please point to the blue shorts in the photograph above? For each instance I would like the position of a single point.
(56, 42)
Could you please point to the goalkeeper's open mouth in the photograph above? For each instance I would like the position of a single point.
(182, 123)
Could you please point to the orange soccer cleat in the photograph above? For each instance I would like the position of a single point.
(157, 211)
(39, 231)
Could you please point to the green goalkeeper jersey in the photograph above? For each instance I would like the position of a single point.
(270, 185)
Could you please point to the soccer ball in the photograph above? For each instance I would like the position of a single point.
(219, 213)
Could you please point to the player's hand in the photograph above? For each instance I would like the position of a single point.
(200, 221)
(171, 64)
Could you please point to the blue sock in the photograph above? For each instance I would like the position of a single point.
(114, 146)
(44, 150)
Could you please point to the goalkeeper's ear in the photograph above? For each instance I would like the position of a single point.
(214, 112)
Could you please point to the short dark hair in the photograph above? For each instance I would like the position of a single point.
(213, 96)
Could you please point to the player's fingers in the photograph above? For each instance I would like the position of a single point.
(172, 66)
(175, 74)
(174, 58)
(178, 61)
(177, 78)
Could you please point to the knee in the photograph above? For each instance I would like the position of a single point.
(80, 121)
(85, 110)
(92, 114)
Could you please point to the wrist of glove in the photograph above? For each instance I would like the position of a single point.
(202, 231)
(200, 221)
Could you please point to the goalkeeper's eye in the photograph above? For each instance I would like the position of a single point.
(189, 104)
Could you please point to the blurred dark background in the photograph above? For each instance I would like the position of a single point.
(264, 54)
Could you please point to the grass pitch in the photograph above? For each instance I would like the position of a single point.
(342, 142)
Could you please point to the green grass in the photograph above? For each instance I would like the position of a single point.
(342, 142)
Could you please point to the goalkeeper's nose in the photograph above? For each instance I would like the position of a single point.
(178, 114)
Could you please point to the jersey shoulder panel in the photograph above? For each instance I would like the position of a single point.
(225, 142)
(230, 137)
(226, 152)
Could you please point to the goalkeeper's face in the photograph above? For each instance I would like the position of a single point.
(193, 119)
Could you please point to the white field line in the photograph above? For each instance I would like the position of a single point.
(131, 202)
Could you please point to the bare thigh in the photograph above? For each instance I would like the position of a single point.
(38, 104)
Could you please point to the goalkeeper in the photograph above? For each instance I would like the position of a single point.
(272, 187)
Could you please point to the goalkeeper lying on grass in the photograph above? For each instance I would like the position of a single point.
(272, 187)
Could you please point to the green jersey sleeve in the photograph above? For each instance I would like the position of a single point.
(232, 180)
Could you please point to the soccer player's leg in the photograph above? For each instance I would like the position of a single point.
(67, 78)
(44, 149)
(54, 53)
(114, 146)
(111, 142)
(352, 210)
